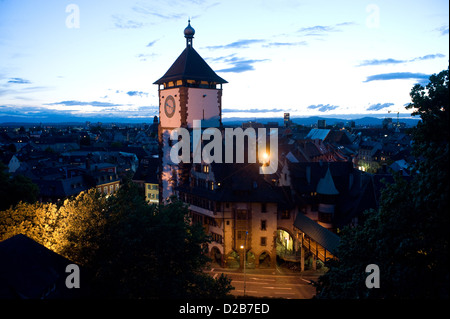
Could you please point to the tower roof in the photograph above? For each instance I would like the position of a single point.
(190, 65)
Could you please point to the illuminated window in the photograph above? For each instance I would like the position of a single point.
(205, 169)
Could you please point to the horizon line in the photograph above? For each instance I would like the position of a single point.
(140, 120)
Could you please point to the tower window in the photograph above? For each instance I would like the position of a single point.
(285, 214)
(263, 241)
(241, 214)
(263, 225)
(263, 208)
(241, 234)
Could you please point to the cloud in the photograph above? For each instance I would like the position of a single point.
(323, 108)
(237, 44)
(251, 110)
(123, 23)
(148, 108)
(379, 106)
(394, 61)
(397, 76)
(238, 68)
(156, 13)
(429, 57)
(137, 93)
(241, 65)
(143, 56)
(23, 90)
(443, 30)
(151, 43)
(320, 30)
(316, 30)
(80, 103)
(19, 81)
(380, 62)
(236, 64)
(33, 114)
(284, 44)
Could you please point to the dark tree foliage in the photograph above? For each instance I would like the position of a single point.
(407, 237)
(125, 247)
(15, 189)
(139, 251)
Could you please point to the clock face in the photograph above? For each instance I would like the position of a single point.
(169, 106)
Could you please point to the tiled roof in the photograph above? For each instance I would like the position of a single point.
(317, 133)
(28, 270)
(190, 66)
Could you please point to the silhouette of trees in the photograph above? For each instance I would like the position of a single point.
(15, 189)
(126, 247)
(407, 237)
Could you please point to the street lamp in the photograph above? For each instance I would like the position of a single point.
(244, 247)
(265, 158)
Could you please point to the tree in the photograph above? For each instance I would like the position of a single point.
(143, 251)
(126, 247)
(407, 237)
(15, 189)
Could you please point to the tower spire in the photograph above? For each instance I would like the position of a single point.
(189, 34)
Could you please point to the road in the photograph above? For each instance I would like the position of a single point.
(275, 283)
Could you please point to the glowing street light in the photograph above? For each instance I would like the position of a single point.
(244, 247)
(265, 158)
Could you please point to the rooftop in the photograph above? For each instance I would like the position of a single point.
(190, 66)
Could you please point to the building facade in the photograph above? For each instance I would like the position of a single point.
(248, 215)
(190, 90)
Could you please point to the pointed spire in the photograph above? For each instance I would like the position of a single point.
(326, 184)
(189, 34)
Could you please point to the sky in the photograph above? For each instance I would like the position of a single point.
(98, 59)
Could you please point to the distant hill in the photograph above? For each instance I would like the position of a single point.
(359, 119)
(312, 120)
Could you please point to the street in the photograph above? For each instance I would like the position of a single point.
(274, 283)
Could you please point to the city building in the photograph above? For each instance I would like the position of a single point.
(250, 216)
(189, 90)
(146, 177)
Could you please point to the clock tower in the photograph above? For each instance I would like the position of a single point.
(190, 90)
